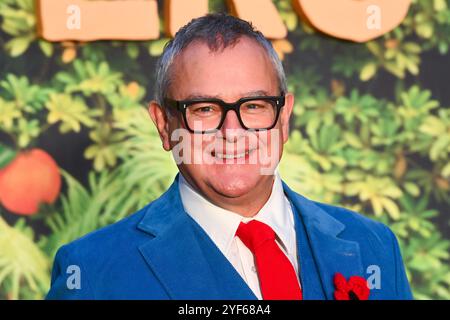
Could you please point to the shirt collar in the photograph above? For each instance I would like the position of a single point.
(221, 224)
(276, 213)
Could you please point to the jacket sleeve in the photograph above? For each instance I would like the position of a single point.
(402, 285)
(69, 279)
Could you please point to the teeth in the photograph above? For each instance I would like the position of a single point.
(232, 156)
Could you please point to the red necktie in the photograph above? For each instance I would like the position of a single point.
(277, 277)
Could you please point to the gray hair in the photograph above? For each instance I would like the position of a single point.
(218, 31)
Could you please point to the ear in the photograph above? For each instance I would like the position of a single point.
(161, 121)
(285, 115)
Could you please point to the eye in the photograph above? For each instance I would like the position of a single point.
(256, 106)
(205, 109)
(253, 106)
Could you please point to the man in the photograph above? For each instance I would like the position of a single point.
(228, 227)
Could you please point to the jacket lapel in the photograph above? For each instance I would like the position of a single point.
(231, 285)
(330, 253)
(177, 256)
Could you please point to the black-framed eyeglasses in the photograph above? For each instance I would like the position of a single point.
(207, 115)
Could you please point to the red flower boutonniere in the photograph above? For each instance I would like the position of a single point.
(354, 289)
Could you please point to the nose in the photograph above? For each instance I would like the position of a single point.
(231, 128)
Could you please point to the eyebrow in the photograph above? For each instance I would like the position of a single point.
(256, 93)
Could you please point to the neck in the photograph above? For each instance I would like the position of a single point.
(246, 205)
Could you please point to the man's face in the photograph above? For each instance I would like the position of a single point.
(240, 71)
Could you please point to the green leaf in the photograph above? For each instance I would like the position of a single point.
(132, 50)
(425, 30)
(17, 46)
(412, 189)
(445, 172)
(440, 147)
(22, 262)
(71, 112)
(439, 5)
(6, 155)
(368, 71)
(157, 46)
(46, 47)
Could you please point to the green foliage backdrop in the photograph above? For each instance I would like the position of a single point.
(371, 132)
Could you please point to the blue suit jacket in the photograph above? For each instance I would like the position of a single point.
(160, 252)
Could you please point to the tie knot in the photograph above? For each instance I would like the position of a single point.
(254, 233)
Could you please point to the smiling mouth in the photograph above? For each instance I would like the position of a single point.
(239, 155)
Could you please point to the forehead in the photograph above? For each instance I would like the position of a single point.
(227, 73)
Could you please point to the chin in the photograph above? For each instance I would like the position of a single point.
(234, 180)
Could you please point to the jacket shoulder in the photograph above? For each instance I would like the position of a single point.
(356, 224)
(105, 244)
(349, 217)
(121, 230)
(91, 254)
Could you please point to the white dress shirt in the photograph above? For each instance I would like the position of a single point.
(221, 226)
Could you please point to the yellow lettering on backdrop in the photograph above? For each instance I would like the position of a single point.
(262, 14)
(355, 20)
(177, 13)
(83, 20)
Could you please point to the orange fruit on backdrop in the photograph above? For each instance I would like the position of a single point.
(32, 178)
